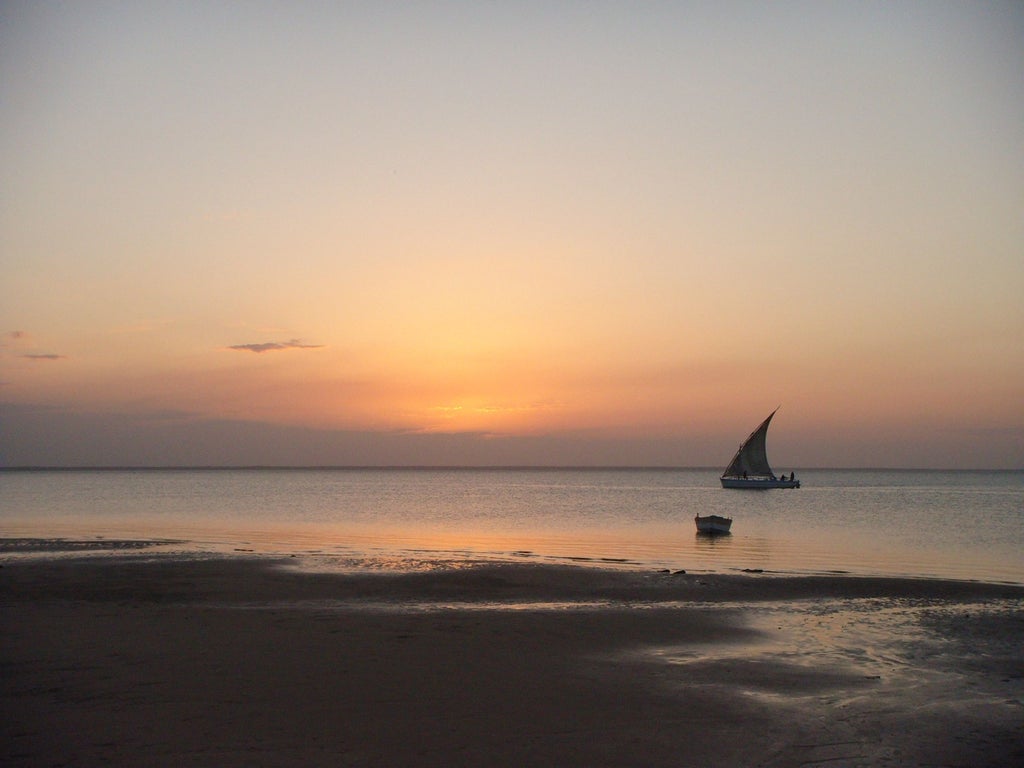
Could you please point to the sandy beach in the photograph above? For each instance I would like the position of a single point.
(147, 659)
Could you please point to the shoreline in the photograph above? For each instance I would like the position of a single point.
(405, 560)
(123, 659)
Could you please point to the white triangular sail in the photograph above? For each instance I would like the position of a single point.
(751, 460)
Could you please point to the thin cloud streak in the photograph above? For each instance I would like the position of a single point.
(274, 346)
(22, 340)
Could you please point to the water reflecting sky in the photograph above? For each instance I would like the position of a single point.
(963, 525)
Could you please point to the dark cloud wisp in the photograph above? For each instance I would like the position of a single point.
(274, 346)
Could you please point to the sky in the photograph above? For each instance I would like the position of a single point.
(511, 233)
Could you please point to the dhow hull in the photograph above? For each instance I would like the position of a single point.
(757, 484)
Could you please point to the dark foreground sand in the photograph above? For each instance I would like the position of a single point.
(141, 660)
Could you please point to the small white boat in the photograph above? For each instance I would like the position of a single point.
(713, 525)
(749, 468)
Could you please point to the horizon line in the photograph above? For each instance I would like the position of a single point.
(454, 467)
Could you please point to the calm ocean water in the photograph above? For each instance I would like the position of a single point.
(918, 523)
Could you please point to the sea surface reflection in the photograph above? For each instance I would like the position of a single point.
(959, 525)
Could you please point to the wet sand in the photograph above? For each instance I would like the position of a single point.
(135, 659)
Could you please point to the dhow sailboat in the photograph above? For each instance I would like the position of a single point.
(749, 468)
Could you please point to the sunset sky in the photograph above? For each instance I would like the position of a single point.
(523, 233)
